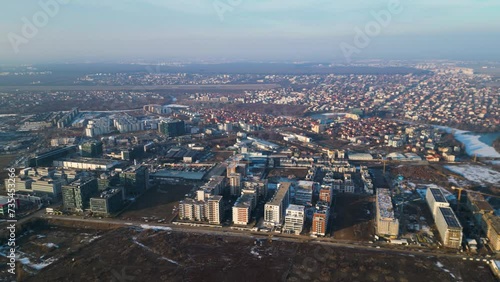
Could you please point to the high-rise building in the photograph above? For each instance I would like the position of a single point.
(191, 209)
(77, 194)
(91, 149)
(242, 209)
(325, 193)
(234, 184)
(172, 128)
(274, 210)
(320, 219)
(294, 219)
(215, 209)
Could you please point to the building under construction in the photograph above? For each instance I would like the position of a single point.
(387, 223)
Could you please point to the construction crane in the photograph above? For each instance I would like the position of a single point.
(460, 189)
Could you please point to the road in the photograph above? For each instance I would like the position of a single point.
(224, 231)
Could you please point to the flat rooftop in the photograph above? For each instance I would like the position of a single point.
(384, 203)
(449, 217)
(283, 188)
(438, 195)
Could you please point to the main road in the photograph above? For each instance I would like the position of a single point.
(225, 231)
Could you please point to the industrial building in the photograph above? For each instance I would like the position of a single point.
(108, 202)
(387, 224)
(77, 194)
(46, 158)
(449, 228)
(435, 199)
(86, 163)
(294, 219)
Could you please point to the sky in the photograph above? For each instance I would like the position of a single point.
(247, 30)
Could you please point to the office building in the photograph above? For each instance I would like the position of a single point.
(172, 128)
(77, 194)
(91, 149)
(135, 179)
(108, 202)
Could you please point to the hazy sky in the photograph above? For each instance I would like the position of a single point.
(110, 30)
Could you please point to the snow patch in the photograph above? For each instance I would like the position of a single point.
(473, 146)
(51, 245)
(476, 173)
(146, 226)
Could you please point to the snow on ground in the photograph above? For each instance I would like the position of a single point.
(51, 245)
(255, 253)
(440, 265)
(44, 264)
(473, 146)
(476, 173)
(146, 226)
(134, 239)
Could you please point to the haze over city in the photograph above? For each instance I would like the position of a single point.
(262, 30)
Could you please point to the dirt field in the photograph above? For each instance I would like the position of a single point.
(295, 173)
(351, 220)
(49, 244)
(157, 203)
(146, 255)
